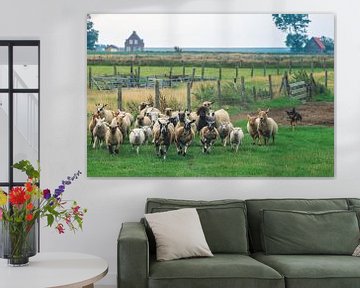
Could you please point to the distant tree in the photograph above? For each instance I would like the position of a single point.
(92, 34)
(296, 27)
(177, 49)
(328, 43)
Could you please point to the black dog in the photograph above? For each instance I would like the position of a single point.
(294, 117)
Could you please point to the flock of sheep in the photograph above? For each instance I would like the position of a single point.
(178, 127)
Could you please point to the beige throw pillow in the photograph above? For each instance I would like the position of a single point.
(178, 234)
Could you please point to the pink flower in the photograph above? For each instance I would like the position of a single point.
(60, 228)
(1, 214)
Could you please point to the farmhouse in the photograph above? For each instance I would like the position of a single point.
(315, 45)
(112, 48)
(134, 43)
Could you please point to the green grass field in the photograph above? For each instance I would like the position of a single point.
(306, 152)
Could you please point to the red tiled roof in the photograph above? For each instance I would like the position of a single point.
(319, 43)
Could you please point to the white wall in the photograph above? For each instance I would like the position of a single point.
(60, 25)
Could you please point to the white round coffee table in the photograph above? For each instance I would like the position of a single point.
(50, 270)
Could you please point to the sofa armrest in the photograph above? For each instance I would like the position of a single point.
(133, 256)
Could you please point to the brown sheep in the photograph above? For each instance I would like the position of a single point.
(267, 127)
(252, 126)
(184, 135)
(208, 136)
(113, 138)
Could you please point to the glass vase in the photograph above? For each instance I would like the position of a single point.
(18, 242)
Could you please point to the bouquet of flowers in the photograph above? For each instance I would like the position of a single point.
(23, 206)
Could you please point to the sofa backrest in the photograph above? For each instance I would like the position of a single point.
(224, 222)
(256, 205)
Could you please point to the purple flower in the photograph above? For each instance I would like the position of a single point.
(46, 194)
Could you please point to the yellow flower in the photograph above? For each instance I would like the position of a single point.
(3, 198)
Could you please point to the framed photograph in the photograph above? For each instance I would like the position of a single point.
(203, 95)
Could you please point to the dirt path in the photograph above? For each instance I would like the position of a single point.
(314, 113)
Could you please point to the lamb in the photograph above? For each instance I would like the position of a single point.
(252, 126)
(113, 137)
(104, 113)
(236, 137)
(208, 136)
(267, 127)
(137, 138)
(224, 130)
(142, 121)
(148, 133)
(163, 137)
(99, 131)
(184, 136)
(92, 125)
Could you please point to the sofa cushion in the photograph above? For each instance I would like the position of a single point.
(254, 217)
(297, 232)
(313, 271)
(222, 270)
(223, 221)
(178, 234)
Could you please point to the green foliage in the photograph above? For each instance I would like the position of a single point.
(296, 42)
(296, 27)
(292, 23)
(205, 92)
(328, 43)
(26, 167)
(92, 34)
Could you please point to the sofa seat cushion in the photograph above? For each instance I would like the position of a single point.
(222, 270)
(313, 271)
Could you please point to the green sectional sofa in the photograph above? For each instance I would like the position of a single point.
(260, 243)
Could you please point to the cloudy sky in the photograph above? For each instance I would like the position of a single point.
(202, 30)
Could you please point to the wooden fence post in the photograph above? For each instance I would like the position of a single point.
(157, 94)
(326, 78)
(252, 70)
(220, 73)
(236, 71)
(264, 68)
(183, 71)
(115, 70)
(270, 88)
(119, 98)
(242, 87)
(170, 76)
(219, 90)
(312, 66)
(138, 75)
(254, 94)
(90, 78)
(278, 68)
(132, 68)
(188, 96)
(202, 72)
(235, 80)
(290, 67)
(192, 76)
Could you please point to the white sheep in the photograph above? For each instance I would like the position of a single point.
(224, 130)
(142, 121)
(221, 116)
(148, 133)
(92, 125)
(252, 126)
(113, 137)
(137, 138)
(267, 127)
(99, 131)
(236, 137)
